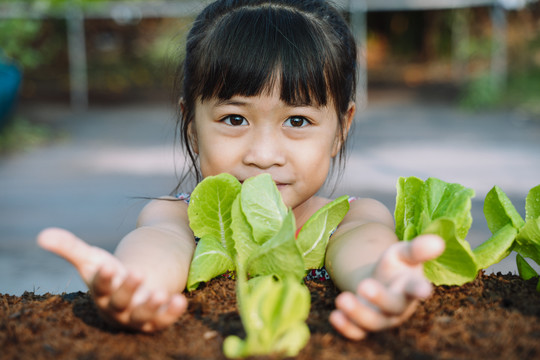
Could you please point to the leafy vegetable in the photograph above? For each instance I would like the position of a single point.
(313, 238)
(524, 269)
(248, 229)
(457, 265)
(210, 219)
(278, 256)
(496, 248)
(499, 211)
(500, 214)
(437, 207)
(263, 207)
(209, 209)
(273, 313)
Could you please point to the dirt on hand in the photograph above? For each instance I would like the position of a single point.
(493, 317)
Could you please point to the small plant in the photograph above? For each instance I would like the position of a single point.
(502, 217)
(247, 229)
(437, 207)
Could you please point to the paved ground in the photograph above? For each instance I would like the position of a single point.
(92, 182)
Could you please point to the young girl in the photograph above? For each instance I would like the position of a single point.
(268, 87)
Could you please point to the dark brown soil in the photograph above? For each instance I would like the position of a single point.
(494, 317)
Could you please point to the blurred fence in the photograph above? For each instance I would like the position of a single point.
(129, 11)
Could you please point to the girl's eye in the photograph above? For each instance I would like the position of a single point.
(235, 120)
(296, 121)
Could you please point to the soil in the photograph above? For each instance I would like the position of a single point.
(493, 317)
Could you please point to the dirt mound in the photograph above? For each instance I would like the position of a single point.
(494, 317)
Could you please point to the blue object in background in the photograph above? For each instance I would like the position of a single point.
(10, 81)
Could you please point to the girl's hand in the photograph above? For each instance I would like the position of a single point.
(390, 296)
(118, 293)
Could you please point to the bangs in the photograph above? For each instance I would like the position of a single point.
(253, 49)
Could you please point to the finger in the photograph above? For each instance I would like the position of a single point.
(64, 244)
(158, 312)
(421, 249)
(122, 297)
(346, 328)
(102, 282)
(146, 311)
(418, 288)
(176, 306)
(364, 315)
(387, 301)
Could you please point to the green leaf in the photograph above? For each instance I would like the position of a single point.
(441, 208)
(496, 248)
(525, 270)
(408, 190)
(313, 238)
(209, 260)
(262, 206)
(457, 264)
(279, 255)
(532, 203)
(451, 201)
(210, 206)
(244, 243)
(273, 312)
(499, 211)
(528, 240)
(418, 203)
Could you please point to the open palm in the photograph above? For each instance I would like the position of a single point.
(119, 294)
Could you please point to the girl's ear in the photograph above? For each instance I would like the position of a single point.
(191, 131)
(347, 121)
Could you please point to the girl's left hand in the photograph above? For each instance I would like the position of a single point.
(391, 294)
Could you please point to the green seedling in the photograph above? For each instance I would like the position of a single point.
(437, 207)
(247, 229)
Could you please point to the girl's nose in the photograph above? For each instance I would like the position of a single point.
(265, 150)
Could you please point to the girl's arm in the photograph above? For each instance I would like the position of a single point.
(382, 278)
(139, 286)
(161, 247)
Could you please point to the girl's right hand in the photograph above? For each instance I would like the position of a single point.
(119, 294)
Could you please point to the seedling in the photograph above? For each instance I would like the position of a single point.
(437, 207)
(247, 229)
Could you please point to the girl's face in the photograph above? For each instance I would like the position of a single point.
(247, 136)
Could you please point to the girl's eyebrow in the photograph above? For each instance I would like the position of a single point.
(236, 102)
(240, 102)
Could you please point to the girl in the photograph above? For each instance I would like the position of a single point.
(268, 87)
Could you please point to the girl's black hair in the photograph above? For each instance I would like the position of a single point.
(245, 47)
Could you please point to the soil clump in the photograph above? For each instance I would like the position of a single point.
(494, 317)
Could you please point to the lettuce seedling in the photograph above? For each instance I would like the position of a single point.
(210, 219)
(274, 312)
(523, 236)
(248, 229)
(437, 207)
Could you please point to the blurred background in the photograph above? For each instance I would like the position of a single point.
(449, 89)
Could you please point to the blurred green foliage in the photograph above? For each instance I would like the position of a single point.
(21, 134)
(16, 38)
(122, 57)
(19, 34)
